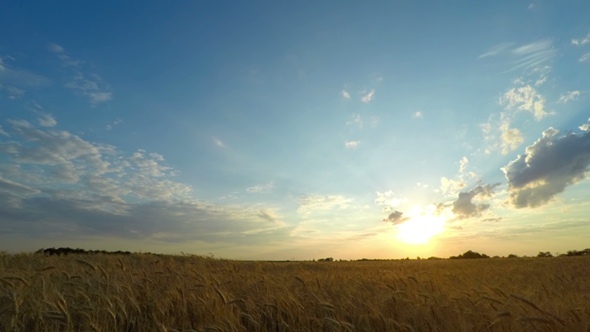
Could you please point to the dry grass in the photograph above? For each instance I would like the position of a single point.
(169, 293)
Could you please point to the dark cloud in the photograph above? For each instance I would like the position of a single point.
(396, 217)
(464, 207)
(547, 167)
(492, 220)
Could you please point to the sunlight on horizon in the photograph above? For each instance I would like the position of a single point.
(423, 224)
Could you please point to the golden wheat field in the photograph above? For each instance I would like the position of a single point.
(141, 292)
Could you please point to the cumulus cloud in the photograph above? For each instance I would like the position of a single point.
(581, 41)
(368, 96)
(569, 96)
(351, 144)
(547, 167)
(450, 187)
(464, 207)
(396, 217)
(525, 98)
(315, 203)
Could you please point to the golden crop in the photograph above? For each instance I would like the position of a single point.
(143, 292)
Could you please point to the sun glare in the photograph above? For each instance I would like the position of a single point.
(423, 224)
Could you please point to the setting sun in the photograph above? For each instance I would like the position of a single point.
(421, 227)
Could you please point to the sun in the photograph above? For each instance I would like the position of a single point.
(423, 224)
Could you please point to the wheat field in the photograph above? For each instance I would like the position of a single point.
(142, 292)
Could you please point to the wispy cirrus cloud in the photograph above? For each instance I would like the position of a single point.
(524, 56)
(261, 188)
(89, 85)
(585, 57)
(318, 203)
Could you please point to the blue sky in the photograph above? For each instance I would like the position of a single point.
(299, 130)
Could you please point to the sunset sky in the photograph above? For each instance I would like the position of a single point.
(295, 130)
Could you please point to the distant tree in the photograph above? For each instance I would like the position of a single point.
(470, 255)
(512, 256)
(544, 254)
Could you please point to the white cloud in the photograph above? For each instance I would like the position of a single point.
(463, 164)
(368, 96)
(496, 50)
(351, 144)
(511, 137)
(585, 57)
(89, 85)
(46, 120)
(117, 122)
(61, 183)
(527, 56)
(581, 41)
(355, 120)
(261, 188)
(316, 203)
(541, 80)
(218, 142)
(388, 201)
(525, 98)
(569, 96)
(418, 115)
(2, 132)
(345, 95)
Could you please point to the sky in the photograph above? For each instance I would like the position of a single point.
(266, 130)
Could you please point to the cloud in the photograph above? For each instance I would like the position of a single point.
(527, 56)
(368, 96)
(46, 120)
(388, 201)
(345, 95)
(396, 218)
(13, 81)
(351, 144)
(569, 96)
(463, 164)
(496, 50)
(261, 188)
(219, 143)
(511, 137)
(581, 41)
(585, 57)
(14, 187)
(2, 132)
(314, 203)
(450, 187)
(491, 220)
(117, 122)
(355, 120)
(89, 85)
(464, 207)
(418, 115)
(525, 98)
(547, 167)
(55, 183)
